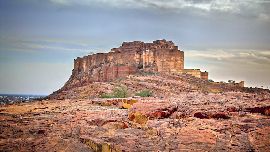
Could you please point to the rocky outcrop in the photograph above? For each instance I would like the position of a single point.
(151, 109)
(129, 58)
(160, 84)
(156, 66)
(191, 121)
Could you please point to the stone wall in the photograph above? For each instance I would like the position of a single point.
(129, 58)
(196, 73)
(193, 72)
(113, 72)
(241, 84)
(204, 75)
(230, 85)
(170, 61)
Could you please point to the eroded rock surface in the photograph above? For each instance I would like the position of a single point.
(161, 84)
(191, 121)
(129, 58)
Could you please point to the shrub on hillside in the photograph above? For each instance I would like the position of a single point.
(118, 92)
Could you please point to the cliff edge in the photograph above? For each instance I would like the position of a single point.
(138, 65)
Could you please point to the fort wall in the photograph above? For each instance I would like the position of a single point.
(129, 58)
(196, 73)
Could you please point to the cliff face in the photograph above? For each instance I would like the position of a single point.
(131, 57)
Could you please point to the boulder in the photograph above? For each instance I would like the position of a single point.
(151, 109)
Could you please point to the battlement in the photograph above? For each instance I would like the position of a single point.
(131, 57)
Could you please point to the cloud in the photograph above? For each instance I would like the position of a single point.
(243, 7)
(235, 55)
(264, 17)
(252, 66)
(48, 47)
(32, 46)
(216, 55)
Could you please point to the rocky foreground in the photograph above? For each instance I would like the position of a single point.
(184, 113)
(192, 121)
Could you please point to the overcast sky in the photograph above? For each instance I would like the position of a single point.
(40, 38)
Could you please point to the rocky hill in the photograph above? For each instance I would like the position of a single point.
(186, 121)
(157, 66)
(130, 58)
(139, 97)
(161, 85)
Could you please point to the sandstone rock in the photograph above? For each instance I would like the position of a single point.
(100, 146)
(178, 115)
(151, 124)
(138, 118)
(205, 139)
(125, 103)
(263, 110)
(260, 139)
(201, 115)
(232, 109)
(125, 60)
(132, 58)
(151, 109)
(220, 115)
(115, 125)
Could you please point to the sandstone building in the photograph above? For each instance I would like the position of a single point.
(129, 58)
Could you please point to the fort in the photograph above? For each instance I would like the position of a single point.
(140, 95)
(131, 57)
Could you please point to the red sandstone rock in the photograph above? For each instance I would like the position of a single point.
(232, 109)
(220, 115)
(153, 109)
(205, 139)
(260, 139)
(263, 110)
(160, 84)
(201, 115)
(159, 56)
(168, 124)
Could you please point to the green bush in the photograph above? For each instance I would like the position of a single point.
(118, 92)
(144, 93)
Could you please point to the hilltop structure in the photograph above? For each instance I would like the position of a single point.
(131, 57)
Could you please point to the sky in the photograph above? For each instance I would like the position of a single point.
(39, 39)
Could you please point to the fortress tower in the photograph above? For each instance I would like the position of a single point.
(129, 58)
